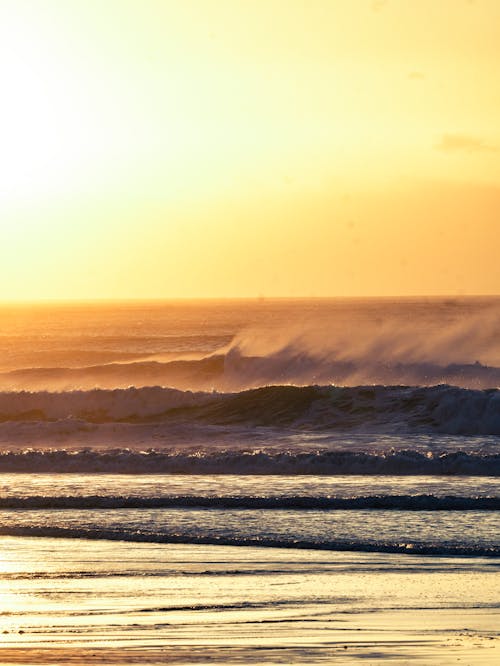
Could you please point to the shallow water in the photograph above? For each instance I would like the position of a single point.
(147, 485)
(414, 514)
(241, 605)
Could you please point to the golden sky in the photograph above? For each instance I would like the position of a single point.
(157, 148)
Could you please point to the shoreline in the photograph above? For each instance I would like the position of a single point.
(122, 603)
(467, 648)
(98, 535)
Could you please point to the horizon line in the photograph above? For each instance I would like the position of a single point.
(260, 297)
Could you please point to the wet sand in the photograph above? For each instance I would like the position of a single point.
(66, 601)
(466, 650)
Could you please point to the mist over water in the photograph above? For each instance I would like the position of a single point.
(276, 390)
(196, 371)
(232, 346)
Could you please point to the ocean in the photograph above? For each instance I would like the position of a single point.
(165, 464)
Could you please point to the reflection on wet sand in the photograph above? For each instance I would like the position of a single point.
(83, 602)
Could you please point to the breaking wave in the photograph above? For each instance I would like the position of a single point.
(392, 409)
(232, 370)
(413, 548)
(256, 462)
(424, 345)
(381, 502)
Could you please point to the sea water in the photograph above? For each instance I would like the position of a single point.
(330, 423)
(337, 426)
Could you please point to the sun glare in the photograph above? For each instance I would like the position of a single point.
(41, 141)
(219, 148)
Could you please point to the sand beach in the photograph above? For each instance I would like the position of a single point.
(81, 602)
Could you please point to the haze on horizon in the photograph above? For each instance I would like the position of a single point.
(212, 148)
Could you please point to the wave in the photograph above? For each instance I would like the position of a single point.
(438, 409)
(419, 343)
(182, 373)
(233, 370)
(381, 502)
(413, 548)
(257, 462)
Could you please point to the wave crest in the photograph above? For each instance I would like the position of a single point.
(126, 461)
(298, 502)
(410, 548)
(438, 409)
(233, 370)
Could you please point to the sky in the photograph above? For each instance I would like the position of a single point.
(212, 148)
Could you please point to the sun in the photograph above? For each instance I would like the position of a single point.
(38, 145)
(59, 122)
